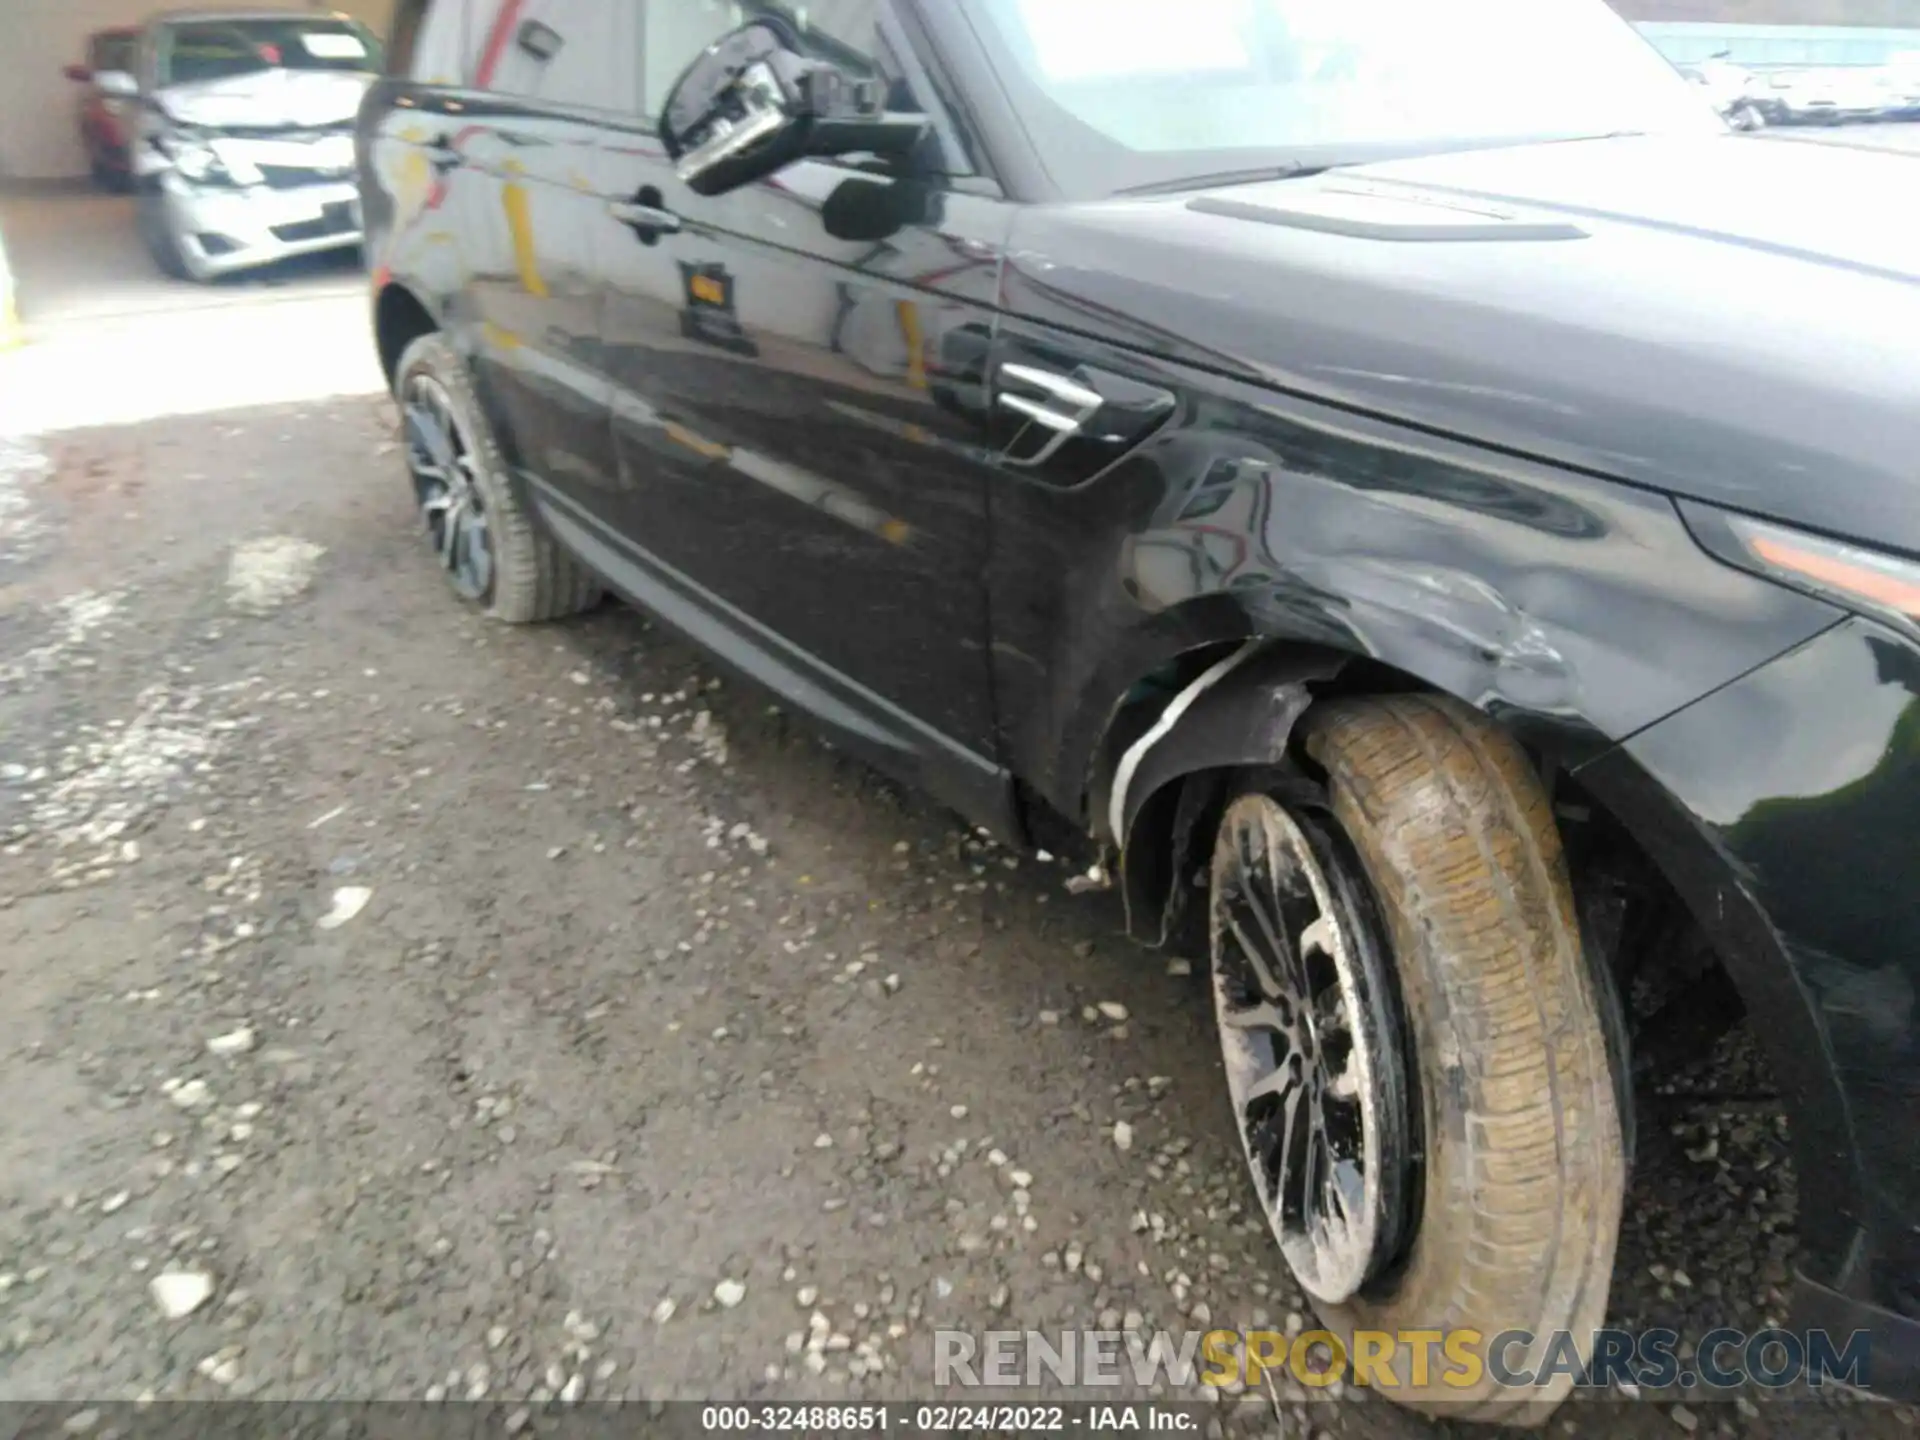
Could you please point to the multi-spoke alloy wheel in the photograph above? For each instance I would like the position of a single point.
(1419, 1065)
(443, 460)
(494, 551)
(1309, 1026)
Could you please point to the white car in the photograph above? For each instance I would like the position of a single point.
(246, 149)
(1829, 96)
(1730, 89)
(1903, 82)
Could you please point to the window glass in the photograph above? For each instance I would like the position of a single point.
(222, 49)
(111, 52)
(566, 52)
(1122, 93)
(439, 49)
(844, 31)
(428, 43)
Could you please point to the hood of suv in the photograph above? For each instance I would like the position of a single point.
(268, 100)
(1735, 319)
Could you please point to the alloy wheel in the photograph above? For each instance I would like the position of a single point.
(441, 456)
(1310, 1029)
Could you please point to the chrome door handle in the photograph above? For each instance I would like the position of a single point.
(1060, 387)
(1068, 406)
(645, 217)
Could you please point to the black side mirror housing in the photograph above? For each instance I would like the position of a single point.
(750, 104)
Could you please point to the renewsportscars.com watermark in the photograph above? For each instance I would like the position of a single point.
(1632, 1360)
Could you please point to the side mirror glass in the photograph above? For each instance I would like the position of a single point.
(116, 82)
(750, 104)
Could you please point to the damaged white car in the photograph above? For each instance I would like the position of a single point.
(246, 154)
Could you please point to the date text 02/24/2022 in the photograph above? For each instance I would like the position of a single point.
(944, 1418)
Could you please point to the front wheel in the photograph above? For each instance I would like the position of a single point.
(157, 233)
(1417, 1050)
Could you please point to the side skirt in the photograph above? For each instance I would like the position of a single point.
(854, 719)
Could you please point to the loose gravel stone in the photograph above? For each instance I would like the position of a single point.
(234, 1042)
(179, 1293)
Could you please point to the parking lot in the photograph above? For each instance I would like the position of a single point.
(527, 1015)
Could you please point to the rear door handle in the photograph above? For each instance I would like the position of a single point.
(650, 220)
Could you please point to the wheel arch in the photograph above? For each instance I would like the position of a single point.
(1243, 715)
(1784, 1015)
(400, 317)
(1209, 709)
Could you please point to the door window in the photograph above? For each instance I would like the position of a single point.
(429, 42)
(563, 52)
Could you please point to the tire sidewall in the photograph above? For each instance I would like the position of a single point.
(157, 229)
(1441, 1003)
(432, 356)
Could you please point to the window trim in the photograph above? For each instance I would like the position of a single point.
(400, 58)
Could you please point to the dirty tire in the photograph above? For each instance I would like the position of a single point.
(534, 578)
(1524, 1166)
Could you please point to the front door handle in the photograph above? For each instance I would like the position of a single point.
(649, 220)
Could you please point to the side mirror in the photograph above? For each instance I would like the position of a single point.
(872, 209)
(116, 82)
(79, 74)
(750, 104)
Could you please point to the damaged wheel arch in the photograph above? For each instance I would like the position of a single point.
(1164, 771)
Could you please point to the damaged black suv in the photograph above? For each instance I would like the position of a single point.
(1439, 522)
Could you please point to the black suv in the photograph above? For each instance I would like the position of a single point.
(1442, 533)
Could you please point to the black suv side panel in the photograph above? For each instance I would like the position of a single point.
(1577, 609)
(806, 443)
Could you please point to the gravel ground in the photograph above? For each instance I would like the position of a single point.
(427, 1008)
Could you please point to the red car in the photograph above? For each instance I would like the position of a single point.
(106, 117)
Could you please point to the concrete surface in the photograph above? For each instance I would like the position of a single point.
(1896, 135)
(113, 340)
(648, 994)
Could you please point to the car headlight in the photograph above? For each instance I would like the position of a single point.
(199, 163)
(1870, 582)
(196, 161)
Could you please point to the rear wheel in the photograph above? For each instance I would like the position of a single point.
(1417, 1048)
(493, 554)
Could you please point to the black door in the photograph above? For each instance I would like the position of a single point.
(800, 416)
(527, 198)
